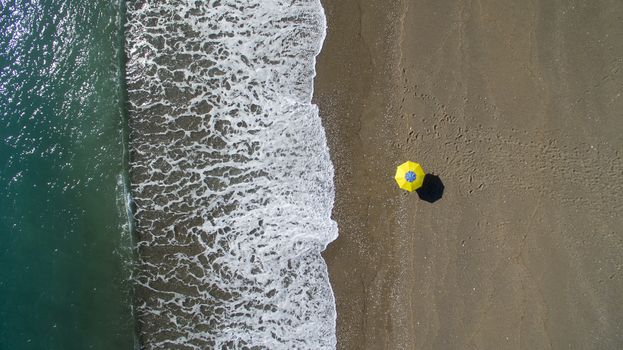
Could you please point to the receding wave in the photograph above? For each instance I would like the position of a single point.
(230, 175)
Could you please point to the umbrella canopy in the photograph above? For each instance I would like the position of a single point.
(409, 176)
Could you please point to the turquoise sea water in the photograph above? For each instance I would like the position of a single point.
(64, 234)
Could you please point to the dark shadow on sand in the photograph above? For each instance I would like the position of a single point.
(432, 189)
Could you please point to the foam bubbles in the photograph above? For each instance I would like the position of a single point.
(230, 174)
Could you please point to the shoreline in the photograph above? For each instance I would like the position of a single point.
(350, 91)
(509, 106)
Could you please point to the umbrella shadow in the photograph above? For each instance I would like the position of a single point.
(432, 189)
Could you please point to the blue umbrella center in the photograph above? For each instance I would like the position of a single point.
(410, 176)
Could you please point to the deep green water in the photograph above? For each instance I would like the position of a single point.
(64, 235)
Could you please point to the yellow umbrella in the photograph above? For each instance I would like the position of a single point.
(409, 176)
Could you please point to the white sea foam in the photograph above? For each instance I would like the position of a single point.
(230, 173)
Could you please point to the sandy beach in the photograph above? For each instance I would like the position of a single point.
(518, 108)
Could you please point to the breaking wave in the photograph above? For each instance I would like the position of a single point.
(230, 175)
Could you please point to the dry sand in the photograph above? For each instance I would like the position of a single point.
(518, 107)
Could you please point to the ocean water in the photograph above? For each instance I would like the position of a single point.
(230, 175)
(65, 244)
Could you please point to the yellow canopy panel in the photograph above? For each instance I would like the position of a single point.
(409, 176)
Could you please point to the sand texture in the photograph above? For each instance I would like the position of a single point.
(517, 106)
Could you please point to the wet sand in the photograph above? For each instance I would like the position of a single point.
(518, 108)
